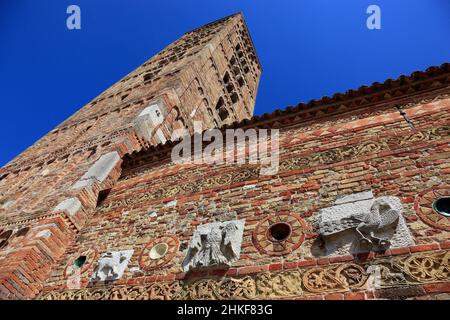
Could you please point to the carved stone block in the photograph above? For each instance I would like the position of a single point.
(99, 170)
(216, 244)
(111, 265)
(149, 119)
(361, 223)
(71, 205)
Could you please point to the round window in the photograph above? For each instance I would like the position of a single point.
(158, 251)
(442, 206)
(279, 232)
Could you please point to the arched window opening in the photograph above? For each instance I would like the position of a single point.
(234, 97)
(223, 113)
(220, 103)
(4, 238)
(102, 195)
(226, 78)
(221, 109)
(22, 232)
(241, 81)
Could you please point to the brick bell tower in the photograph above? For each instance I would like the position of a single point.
(49, 192)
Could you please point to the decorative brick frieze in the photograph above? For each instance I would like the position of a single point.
(350, 281)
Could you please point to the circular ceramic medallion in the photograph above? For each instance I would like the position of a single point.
(158, 252)
(433, 207)
(80, 262)
(279, 234)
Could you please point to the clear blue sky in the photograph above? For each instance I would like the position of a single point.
(308, 49)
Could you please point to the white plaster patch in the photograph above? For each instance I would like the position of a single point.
(250, 186)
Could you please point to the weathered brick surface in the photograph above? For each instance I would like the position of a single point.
(392, 139)
(201, 198)
(214, 63)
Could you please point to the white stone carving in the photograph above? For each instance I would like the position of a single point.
(149, 119)
(360, 223)
(71, 205)
(216, 244)
(111, 265)
(99, 170)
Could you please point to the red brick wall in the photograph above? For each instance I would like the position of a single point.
(373, 149)
(391, 138)
(188, 74)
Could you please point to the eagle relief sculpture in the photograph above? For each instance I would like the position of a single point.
(215, 245)
(382, 214)
(375, 221)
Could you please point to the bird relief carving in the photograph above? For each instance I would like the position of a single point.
(377, 223)
(216, 244)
